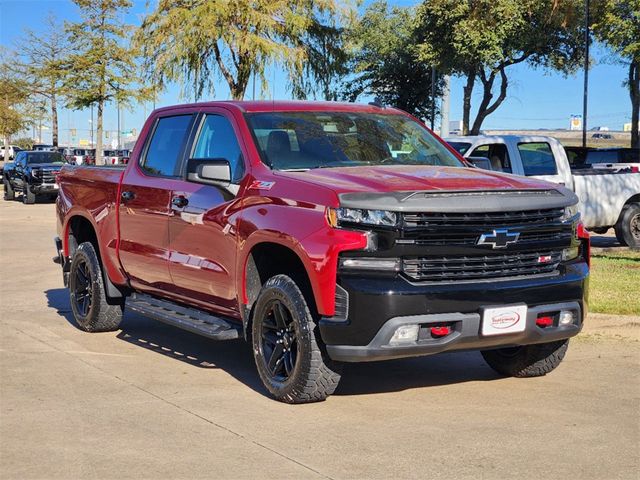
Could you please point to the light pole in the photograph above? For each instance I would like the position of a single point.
(91, 123)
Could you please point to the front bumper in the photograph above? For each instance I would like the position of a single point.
(377, 307)
(42, 188)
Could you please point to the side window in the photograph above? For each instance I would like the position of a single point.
(161, 157)
(218, 140)
(497, 155)
(537, 158)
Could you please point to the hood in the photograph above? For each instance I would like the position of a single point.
(417, 188)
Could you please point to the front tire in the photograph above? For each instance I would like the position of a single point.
(289, 356)
(527, 360)
(91, 310)
(9, 192)
(28, 197)
(628, 226)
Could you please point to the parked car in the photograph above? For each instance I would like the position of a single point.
(607, 198)
(33, 173)
(603, 136)
(323, 233)
(42, 147)
(609, 158)
(12, 151)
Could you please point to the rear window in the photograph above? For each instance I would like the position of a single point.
(537, 158)
(602, 156)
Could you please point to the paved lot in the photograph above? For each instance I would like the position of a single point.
(150, 401)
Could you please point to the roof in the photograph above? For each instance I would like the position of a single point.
(288, 106)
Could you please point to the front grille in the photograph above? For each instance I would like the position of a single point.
(48, 176)
(458, 267)
(483, 220)
(434, 229)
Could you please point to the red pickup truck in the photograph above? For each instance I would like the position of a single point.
(323, 233)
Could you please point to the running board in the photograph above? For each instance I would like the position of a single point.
(192, 320)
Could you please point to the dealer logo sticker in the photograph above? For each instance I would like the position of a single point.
(504, 320)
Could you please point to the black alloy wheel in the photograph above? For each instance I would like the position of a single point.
(83, 291)
(279, 343)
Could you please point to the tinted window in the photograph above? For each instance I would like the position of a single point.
(497, 155)
(602, 156)
(218, 140)
(460, 147)
(44, 157)
(537, 158)
(165, 145)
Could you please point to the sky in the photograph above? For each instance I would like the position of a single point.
(536, 98)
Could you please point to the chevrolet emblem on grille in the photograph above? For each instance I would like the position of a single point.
(499, 238)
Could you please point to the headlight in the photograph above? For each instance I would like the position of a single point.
(569, 212)
(35, 172)
(340, 216)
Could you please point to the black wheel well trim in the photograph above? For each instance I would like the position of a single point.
(81, 230)
(633, 199)
(265, 260)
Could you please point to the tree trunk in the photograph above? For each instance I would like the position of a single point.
(99, 159)
(634, 94)
(6, 148)
(54, 120)
(486, 108)
(466, 102)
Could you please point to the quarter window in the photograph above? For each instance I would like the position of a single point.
(537, 158)
(218, 140)
(162, 157)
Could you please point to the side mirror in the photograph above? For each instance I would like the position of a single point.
(480, 162)
(212, 171)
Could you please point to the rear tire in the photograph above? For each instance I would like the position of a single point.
(289, 355)
(527, 360)
(9, 192)
(28, 197)
(89, 304)
(628, 226)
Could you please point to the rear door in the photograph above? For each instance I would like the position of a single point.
(145, 196)
(202, 226)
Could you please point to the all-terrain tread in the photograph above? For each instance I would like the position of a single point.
(103, 316)
(9, 192)
(319, 375)
(530, 361)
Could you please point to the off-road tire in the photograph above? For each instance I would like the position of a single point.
(101, 316)
(9, 192)
(314, 375)
(527, 360)
(28, 197)
(628, 226)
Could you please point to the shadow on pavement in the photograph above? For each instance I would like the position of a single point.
(235, 357)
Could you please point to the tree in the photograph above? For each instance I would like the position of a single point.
(618, 25)
(41, 61)
(15, 110)
(385, 64)
(103, 64)
(193, 41)
(480, 39)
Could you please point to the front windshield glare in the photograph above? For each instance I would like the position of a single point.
(307, 140)
(44, 157)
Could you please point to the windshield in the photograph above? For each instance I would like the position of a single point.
(306, 140)
(44, 157)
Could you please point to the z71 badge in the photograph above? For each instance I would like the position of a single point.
(259, 185)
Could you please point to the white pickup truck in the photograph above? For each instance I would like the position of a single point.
(607, 199)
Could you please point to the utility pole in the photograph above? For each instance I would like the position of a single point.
(91, 122)
(118, 123)
(586, 73)
(446, 106)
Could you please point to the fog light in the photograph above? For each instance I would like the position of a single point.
(567, 317)
(405, 334)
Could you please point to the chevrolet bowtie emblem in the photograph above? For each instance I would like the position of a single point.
(499, 238)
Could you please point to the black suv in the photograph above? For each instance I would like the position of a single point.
(33, 173)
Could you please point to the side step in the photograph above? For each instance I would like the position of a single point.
(190, 319)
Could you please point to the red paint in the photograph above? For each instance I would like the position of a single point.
(585, 238)
(197, 255)
(440, 331)
(544, 322)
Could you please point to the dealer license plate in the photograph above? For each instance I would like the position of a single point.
(503, 320)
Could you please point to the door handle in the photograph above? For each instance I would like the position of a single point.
(179, 201)
(126, 196)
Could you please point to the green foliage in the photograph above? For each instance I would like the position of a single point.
(195, 41)
(103, 65)
(480, 39)
(41, 61)
(385, 64)
(25, 143)
(15, 110)
(617, 23)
